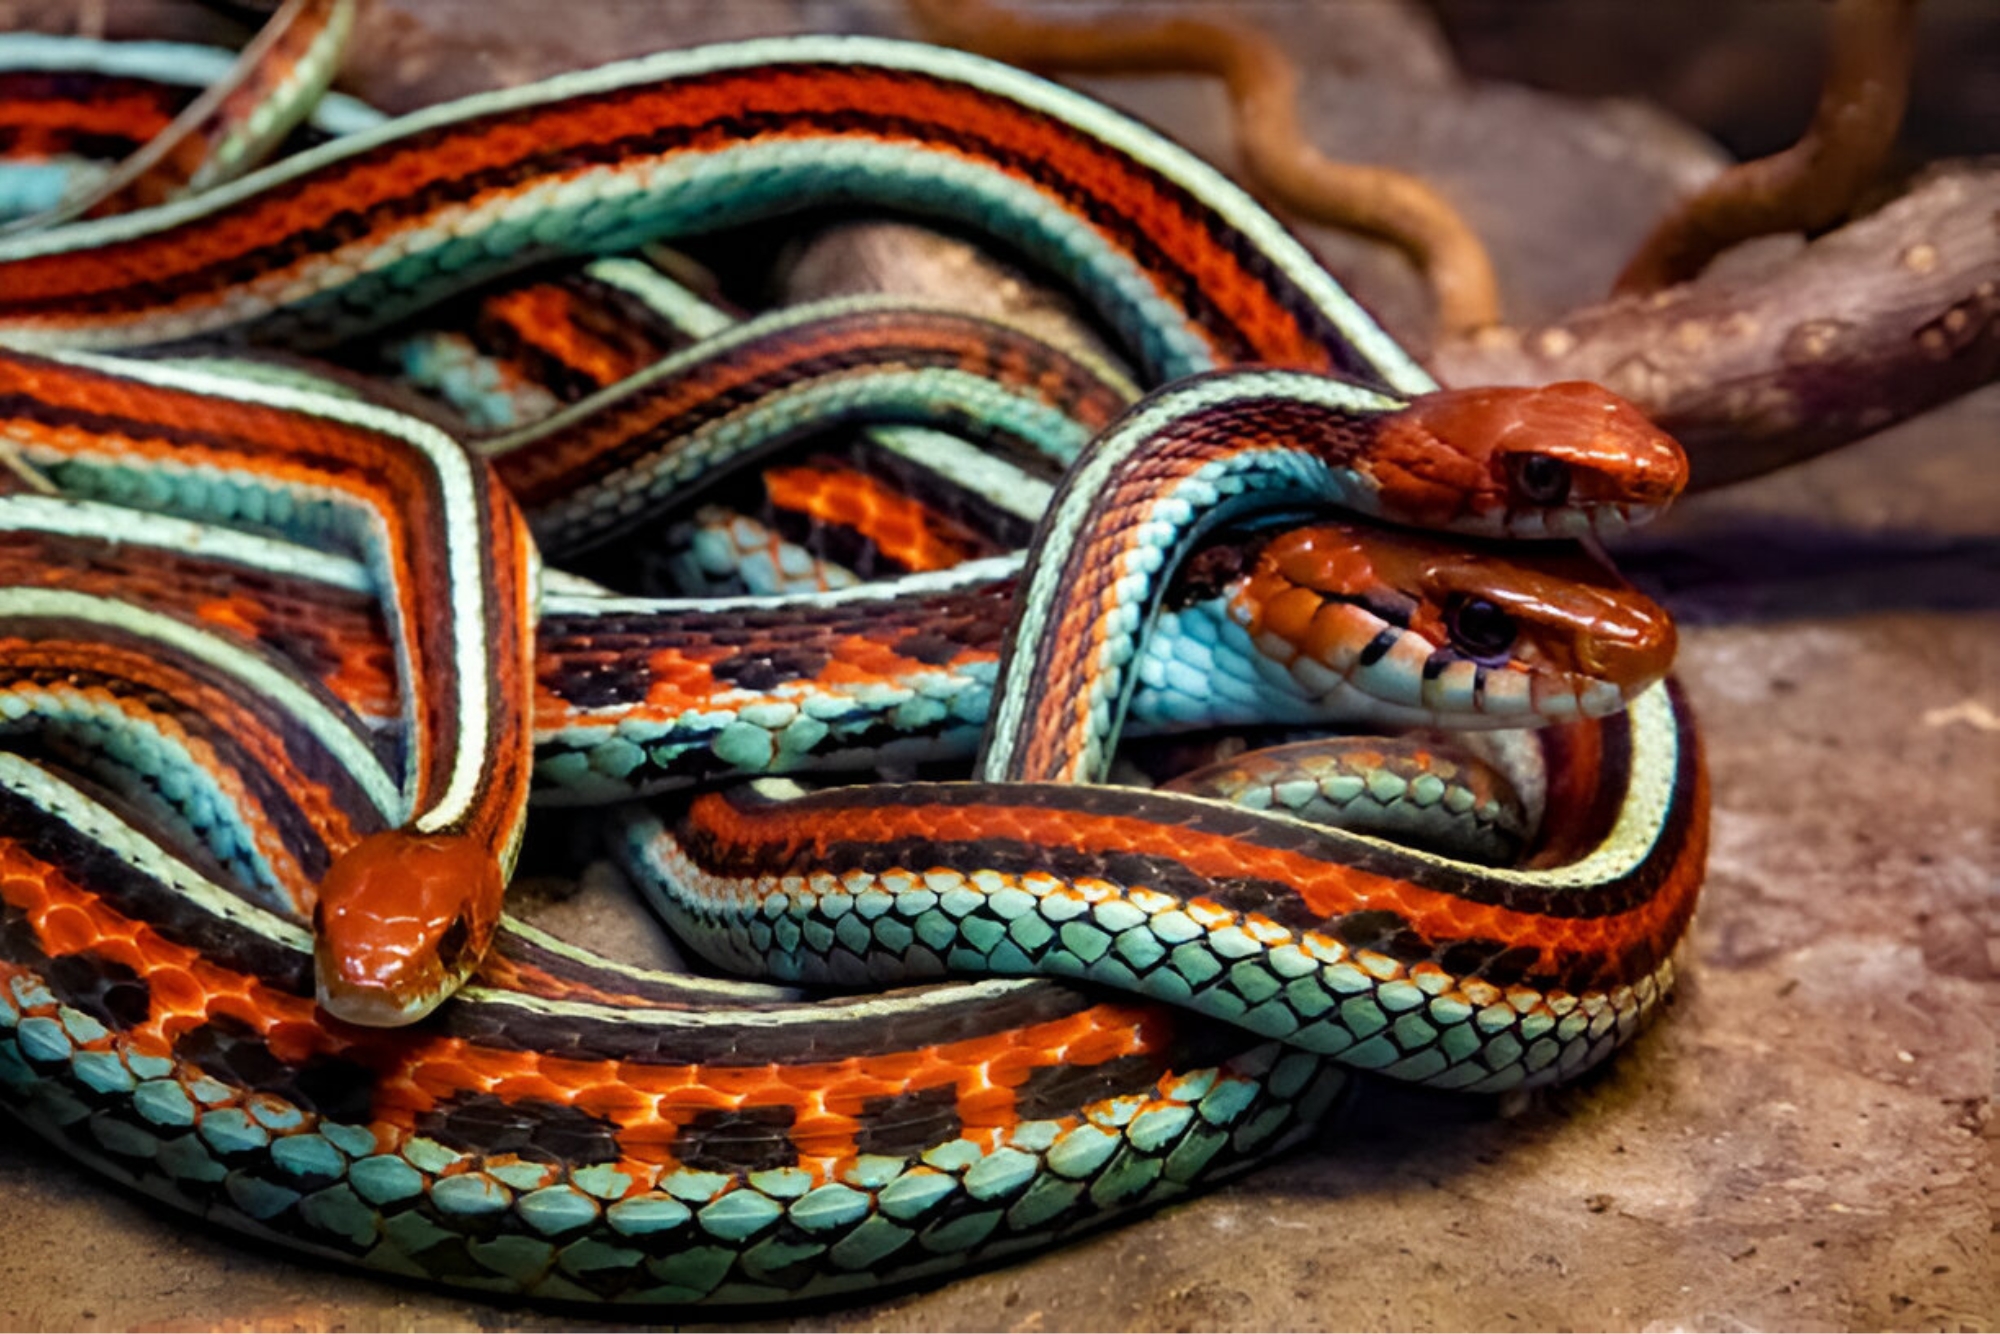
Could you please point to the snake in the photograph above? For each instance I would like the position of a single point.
(98, 434)
(581, 1130)
(574, 1129)
(90, 127)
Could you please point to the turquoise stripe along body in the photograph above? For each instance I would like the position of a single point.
(578, 1130)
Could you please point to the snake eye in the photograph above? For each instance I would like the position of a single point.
(451, 944)
(1539, 479)
(1479, 629)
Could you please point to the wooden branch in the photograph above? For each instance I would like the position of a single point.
(1817, 181)
(1868, 325)
(1263, 84)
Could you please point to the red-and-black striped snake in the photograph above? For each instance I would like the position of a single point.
(583, 1130)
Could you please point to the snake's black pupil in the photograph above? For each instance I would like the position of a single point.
(451, 945)
(1479, 629)
(1541, 479)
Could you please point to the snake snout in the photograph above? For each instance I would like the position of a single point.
(1557, 460)
(1631, 652)
(402, 919)
(1579, 444)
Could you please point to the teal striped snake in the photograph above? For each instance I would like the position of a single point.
(59, 161)
(181, 784)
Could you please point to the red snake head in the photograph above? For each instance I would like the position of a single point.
(1563, 460)
(1452, 633)
(402, 919)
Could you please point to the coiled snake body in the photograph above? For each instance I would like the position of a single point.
(191, 774)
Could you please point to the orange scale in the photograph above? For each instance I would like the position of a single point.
(1338, 631)
(525, 1088)
(292, 1041)
(987, 1107)
(405, 174)
(612, 1102)
(826, 1169)
(152, 951)
(824, 1136)
(574, 1074)
(551, 711)
(974, 1054)
(1053, 1035)
(776, 1093)
(494, 1064)
(1011, 1069)
(396, 1104)
(67, 929)
(641, 1175)
(684, 1105)
(1289, 615)
(1469, 919)
(654, 1080)
(26, 892)
(173, 1027)
(1097, 1048)
(137, 945)
(401, 1091)
(678, 677)
(783, 1087)
(233, 1005)
(855, 662)
(651, 1143)
(645, 1117)
(1155, 1028)
(1603, 936)
(848, 1096)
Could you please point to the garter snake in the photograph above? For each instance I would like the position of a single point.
(579, 1130)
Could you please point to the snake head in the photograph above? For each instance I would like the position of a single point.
(1556, 629)
(1404, 628)
(1562, 460)
(402, 920)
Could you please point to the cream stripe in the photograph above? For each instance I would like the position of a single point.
(252, 672)
(98, 824)
(466, 579)
(118, 526)
(1142, 145)
(866, 1010)
(965, 575)
(1086, 485)
(175, 64)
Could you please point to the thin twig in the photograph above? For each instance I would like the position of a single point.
(1814, 183)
